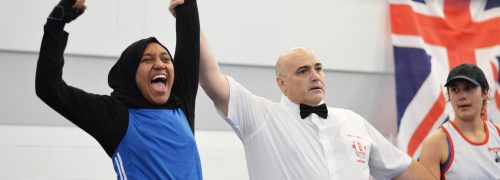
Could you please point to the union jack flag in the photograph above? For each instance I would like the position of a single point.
(429, 38)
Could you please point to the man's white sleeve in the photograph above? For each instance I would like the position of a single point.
(246, 112)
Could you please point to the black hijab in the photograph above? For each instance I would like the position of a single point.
(121, 78)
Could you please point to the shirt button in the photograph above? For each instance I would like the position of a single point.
(327, 155)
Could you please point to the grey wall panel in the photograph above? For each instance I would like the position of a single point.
(372, 95)
(19, 103)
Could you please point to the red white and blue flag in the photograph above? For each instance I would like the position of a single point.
(429, 38)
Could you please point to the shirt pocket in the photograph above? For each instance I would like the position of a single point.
(357, 148)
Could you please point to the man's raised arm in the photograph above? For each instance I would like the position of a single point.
(212, 80)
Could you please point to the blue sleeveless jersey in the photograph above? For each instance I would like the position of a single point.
(158, 144)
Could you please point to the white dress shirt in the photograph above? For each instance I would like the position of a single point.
(280, 145)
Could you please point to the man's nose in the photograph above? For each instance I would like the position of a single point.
(315, 76)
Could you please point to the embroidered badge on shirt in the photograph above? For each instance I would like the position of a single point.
(358, 150)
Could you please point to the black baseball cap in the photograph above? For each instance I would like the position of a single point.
(468, 72)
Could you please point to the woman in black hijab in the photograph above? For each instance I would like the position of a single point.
(146, 124)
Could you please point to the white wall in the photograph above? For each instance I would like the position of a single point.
(349, 34)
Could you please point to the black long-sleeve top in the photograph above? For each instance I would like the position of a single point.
(105, 117)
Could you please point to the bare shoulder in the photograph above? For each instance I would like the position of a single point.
(436, 141)
(435, 145)
(437, 138)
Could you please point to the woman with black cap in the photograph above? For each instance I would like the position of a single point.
(466, 147)
(146, 124)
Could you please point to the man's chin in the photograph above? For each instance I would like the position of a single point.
(317, 96)
(315, 101)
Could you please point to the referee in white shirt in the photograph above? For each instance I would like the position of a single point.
(300, 137)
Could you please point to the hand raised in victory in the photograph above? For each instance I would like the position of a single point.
(173, 5)
(67, 10)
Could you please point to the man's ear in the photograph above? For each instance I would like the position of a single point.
(281, 84)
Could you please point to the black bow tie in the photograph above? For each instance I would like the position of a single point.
(321, 110)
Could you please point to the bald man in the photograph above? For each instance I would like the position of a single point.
(300, 137)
